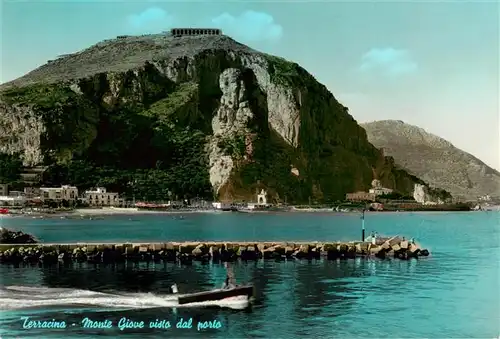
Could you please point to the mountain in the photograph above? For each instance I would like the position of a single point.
(434, 159)
(158, 116)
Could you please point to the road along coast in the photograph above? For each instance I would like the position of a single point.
(394, 247)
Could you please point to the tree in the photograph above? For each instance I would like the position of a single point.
(10, 168)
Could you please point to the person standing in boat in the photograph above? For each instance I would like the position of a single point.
(230, 281)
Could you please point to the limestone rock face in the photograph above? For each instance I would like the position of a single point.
(419, 193)
(422, 195)
(259, 121)
(221, 166)
(20, 132)
(283, 108)
(234, 111)
(232, 117)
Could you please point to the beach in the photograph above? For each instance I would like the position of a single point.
(109, 211)
(134, 210)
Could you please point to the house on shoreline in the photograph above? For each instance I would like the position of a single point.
(101, 197)
(260, 204)
(372, 194)
(65, 192)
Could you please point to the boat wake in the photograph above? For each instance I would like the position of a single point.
(24, 297)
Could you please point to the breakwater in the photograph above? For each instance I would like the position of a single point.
(394, 247)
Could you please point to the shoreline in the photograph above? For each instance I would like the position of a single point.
(131, 211)
(109, 211)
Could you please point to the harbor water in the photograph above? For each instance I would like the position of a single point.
(453, 293)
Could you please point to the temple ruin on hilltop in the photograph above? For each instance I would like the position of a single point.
(177, 32)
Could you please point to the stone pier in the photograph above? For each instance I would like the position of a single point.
(394, 247)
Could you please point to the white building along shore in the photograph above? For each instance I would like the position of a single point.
(100, 197)
(65, 192)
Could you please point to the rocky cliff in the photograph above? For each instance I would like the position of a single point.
(434, 159)
(191, 116)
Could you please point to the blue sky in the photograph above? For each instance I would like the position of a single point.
(431, 64)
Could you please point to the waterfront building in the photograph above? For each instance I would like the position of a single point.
(377, 188)
(261, 201)
(65, 192)
(101, 197)
(262, 198)
(16, 194)
(32, 192)
(380, 191)
(221, 205)
(51, 193)
(372, 193)
(360, 196)
(18, 201)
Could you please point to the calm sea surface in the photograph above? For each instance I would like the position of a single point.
(454, 293)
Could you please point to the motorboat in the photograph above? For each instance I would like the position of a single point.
(216, 294)
(229, 290)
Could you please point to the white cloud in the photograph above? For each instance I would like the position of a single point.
(388, 60)
(151, 20)
(250, 26)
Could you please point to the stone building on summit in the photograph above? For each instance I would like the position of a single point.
(177, 32)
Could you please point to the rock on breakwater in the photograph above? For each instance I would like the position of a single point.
(395, 247)
(12, 237)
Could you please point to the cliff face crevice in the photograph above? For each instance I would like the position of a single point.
(203, 116)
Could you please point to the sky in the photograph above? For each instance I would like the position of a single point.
(434, 64)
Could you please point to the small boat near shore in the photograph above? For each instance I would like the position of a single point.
(245, 291)
(230, 290)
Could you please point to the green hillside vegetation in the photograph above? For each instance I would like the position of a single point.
(10, 168)
(89, 144)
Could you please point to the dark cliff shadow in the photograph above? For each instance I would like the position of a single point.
(257, 101)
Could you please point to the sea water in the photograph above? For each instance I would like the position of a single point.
(454, 293)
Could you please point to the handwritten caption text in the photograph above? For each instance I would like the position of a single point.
(123, 324)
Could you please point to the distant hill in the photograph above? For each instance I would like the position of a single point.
(434, 159)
